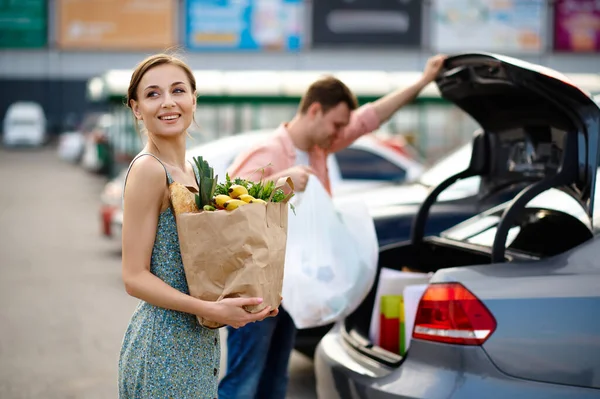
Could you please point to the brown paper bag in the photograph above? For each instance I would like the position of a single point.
(236, 254)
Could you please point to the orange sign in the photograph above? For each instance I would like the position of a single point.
(116, 24)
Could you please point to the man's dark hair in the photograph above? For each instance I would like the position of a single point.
(329, 92)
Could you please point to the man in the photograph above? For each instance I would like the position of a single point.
(328, 120)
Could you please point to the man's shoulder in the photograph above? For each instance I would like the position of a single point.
(274, 141)
(267, 151)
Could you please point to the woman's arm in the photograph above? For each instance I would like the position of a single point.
(144, 198)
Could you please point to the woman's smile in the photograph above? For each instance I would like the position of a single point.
(170, 118)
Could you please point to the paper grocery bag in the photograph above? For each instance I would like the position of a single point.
(235, 254)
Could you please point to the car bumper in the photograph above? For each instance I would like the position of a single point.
(430, 371)
(23, 142)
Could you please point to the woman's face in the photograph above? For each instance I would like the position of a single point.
(166, 103)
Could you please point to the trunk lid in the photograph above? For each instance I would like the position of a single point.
(536, 122)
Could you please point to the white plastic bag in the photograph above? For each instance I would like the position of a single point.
(331, 257)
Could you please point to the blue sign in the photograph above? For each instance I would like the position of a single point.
(259, 25)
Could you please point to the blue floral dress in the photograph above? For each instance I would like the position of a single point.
(165, 353)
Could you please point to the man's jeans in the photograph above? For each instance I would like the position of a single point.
(257, 359)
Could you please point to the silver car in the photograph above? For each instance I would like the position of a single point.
(512, 308)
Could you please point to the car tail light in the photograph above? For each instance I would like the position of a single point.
(450, 313)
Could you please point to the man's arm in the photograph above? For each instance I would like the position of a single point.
(389, 104)
(370, 116)
(362, 121)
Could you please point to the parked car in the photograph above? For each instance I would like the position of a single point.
(508, 309)
(394, 206)
(24, 125)
(363, 165)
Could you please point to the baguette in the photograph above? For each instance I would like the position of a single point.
(182, 199)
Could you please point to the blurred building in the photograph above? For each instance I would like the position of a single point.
(50, 49)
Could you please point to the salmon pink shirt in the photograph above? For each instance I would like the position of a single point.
(278, 153)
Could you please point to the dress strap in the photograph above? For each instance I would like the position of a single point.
(169, 178)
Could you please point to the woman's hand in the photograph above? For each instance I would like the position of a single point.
(230, 311)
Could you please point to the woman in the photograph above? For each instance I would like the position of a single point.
(166, 353)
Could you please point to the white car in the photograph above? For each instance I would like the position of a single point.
(24, 124)
(366, 163)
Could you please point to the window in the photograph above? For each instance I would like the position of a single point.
(358, 164)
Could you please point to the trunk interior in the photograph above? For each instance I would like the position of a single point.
(430, 255)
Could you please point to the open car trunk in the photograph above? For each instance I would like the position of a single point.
(407, 267)
(538, 131)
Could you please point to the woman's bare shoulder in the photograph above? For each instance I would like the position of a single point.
(147, 177)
